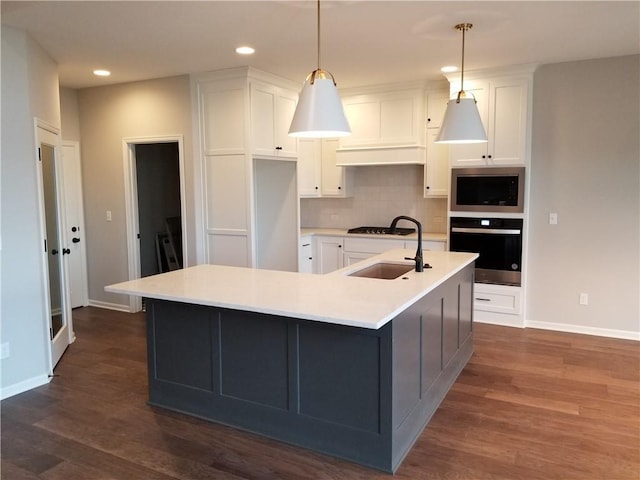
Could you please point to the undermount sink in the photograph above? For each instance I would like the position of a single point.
(383, 270)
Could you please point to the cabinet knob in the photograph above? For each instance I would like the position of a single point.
(339, 246)
(488, 156)
(428, 119)
(428, 187)
(339, 187)
(484, 156)
(316, 188)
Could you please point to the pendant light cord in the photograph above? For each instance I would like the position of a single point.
(464, 29)
(318, 16)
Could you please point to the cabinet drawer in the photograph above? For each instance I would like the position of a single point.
(371, 245)
(497, 298)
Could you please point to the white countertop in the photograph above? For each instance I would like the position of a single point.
(332, 298)
(342, 232)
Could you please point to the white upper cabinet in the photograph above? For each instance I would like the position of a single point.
(221, 107)
(504, 106)
(436, 106)
(436, 170)
(318, 175)
(272, 109)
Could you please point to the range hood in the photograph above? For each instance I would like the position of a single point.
(391, 155)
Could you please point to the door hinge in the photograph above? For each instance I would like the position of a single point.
(45, 245)
(39, 154)
(51, 333)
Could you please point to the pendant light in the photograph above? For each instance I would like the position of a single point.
(462, 123)
(319, 113)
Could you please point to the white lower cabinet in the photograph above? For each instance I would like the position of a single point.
(427, 245)
(331, 253)
(328, 254)
(305, 254)
(498, 304)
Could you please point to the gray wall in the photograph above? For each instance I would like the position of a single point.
(70, 114)
(107, 116)
(585, 166)
(29, 89)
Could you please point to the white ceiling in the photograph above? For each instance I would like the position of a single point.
(364, 42)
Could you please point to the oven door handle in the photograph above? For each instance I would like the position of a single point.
(489, 231)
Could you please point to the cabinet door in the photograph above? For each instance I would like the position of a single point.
(436, 171)
(473, 154)
(263, 113)
(285, 108)
(436, 106)
(328, 254)
(305, 255)
(222, 115)
(309, 167)
(354, 257)
(333, 177)
(508, 122)
(272, 109)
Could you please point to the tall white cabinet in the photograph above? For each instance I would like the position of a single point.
(249, 203)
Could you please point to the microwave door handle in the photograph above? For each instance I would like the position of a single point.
(490, 231)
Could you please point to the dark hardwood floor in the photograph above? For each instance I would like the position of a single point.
(531, 404)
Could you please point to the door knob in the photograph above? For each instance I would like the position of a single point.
(66, 251)
(75, 240)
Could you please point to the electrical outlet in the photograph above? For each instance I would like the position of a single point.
(4, 350)
(553, 218)
(108, 215)
(584, 299)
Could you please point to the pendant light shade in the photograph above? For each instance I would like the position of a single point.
(319, 113)
(461, 122)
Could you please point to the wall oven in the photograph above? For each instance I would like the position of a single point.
(487, 189)
(499, 243)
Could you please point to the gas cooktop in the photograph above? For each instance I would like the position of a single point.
(382, 230)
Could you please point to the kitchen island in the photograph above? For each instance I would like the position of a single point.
(349, 366)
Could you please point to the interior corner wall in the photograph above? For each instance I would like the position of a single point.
(69, 114)
(586, 167)
(29, 90)
(108, 115)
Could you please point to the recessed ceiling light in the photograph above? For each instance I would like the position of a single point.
(245, 50)
(101, 73)
(449, 69)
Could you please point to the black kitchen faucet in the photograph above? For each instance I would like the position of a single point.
(418, 257)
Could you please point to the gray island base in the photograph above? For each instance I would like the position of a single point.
(361, 394)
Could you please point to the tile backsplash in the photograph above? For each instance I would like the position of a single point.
(380, 194)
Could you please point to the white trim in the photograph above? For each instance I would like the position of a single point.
(83, 245)
(110, 306)
(23, 386)
(597, 331)
(131, 204)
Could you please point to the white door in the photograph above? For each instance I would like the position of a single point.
(56, 251)
(74, 221)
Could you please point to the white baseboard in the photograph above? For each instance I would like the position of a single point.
(23, 386)
(600, 332)
(110, 306)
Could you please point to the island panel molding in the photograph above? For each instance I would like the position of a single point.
(359, 394)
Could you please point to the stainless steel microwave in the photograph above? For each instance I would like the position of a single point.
(487, 189)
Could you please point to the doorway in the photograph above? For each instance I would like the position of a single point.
(155, 206)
